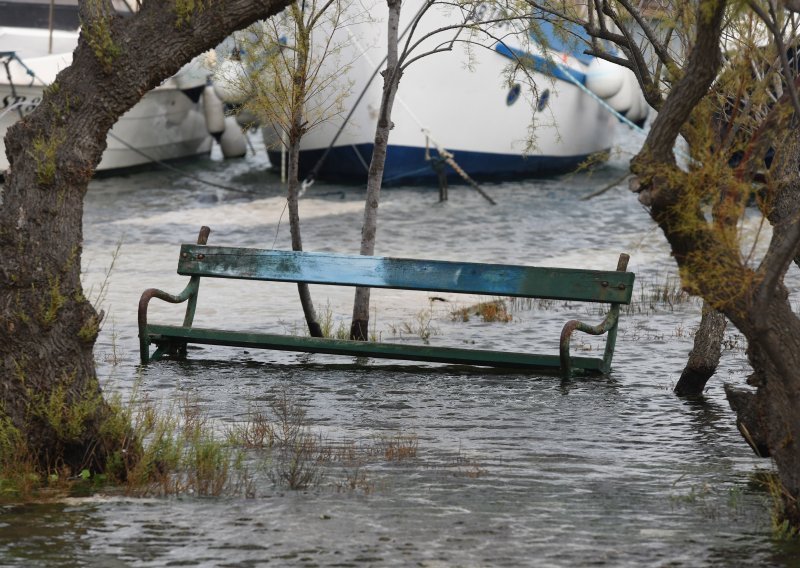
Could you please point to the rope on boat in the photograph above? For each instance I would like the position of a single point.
(622, 118)
(308, 182)
(10, 56)
(7, 58)
(184, 173)
(11, 108)
(610, 109)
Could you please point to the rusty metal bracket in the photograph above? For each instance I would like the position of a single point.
(188, 294)
(608, 325)
(610, 322)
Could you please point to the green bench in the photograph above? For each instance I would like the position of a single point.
(200, 261)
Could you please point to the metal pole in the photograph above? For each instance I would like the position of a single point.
(283, 156)
(50, 45)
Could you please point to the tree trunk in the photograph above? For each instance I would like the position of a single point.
(296, 131)
(297, 244)
(359, 329)
(49, 393)
(704, 357)
(711, 264)
(772, 417)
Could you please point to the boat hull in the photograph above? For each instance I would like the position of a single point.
(168, 123)
(462, 103)
(409, 165)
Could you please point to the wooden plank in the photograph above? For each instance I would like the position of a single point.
(369, 349)
(407, 274)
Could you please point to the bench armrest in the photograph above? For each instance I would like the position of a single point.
(609, 324)
(189, 293)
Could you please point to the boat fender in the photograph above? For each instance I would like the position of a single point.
(212, 109)
(625, 98)
(191, 75)
(639, 110)
(604, 78)
(232, 140)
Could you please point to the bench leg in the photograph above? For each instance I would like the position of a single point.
(172, 349)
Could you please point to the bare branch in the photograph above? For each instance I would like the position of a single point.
(771, 22)
(702, 67)
(621, 61)
(659, 48)
(791, 5)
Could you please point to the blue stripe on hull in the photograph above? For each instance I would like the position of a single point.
(407, 164)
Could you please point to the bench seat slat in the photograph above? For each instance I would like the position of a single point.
(407, 274)
(429, 353)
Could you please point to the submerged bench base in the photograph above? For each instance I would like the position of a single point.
(173, 339)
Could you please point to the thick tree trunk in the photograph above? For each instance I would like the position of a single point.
(359, 329)
(772, 417)
(48, 387)
(705, 354)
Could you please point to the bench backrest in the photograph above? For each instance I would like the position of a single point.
(406, 274)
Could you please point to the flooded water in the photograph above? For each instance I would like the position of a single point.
(510, 469)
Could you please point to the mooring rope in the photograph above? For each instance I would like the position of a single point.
(184, 173)
(622, 118)
(9, 56)
(309, 181)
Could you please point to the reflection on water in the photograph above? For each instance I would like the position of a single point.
(512, 468)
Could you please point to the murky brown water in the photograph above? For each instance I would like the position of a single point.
(511, 469)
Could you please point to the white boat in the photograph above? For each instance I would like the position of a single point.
(493, 129)
(168, 123)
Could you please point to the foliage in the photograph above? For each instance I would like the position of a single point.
(490, 312)
(186, 9)
(285, 75)
(421, 326)
(184, 453)
(97, 30)
(43, 153)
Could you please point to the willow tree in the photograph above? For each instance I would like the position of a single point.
(50, 400)
(723, 76)
(292, 75)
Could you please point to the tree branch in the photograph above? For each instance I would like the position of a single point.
(702, 67)
(771, 21)
(658, 47)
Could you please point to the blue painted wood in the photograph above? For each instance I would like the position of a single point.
(407, 274)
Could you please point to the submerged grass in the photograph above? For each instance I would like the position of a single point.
(490, 312)
(782, 528)
(184, 452)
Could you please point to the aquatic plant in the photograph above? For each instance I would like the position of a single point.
(421, 326)
(490, 311)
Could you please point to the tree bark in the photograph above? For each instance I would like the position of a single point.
(705, 354)
(359, 329)
(711, 264)
(49, 391)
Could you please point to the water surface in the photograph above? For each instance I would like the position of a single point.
(512, 469)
